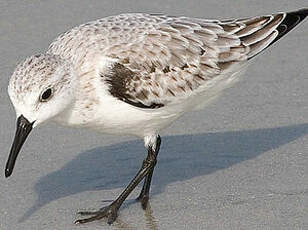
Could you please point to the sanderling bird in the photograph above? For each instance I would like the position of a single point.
(135, 74)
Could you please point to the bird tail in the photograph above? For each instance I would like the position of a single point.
(260, 33)
(290, 20)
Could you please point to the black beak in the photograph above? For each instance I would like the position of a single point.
(23, 128)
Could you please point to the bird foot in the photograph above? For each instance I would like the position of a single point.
(110, 212)
(144, 200)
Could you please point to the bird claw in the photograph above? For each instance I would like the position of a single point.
(110, 212)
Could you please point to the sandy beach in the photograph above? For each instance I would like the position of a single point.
(240, 163)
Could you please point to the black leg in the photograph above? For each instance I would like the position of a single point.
(111, 212)
(144, 194)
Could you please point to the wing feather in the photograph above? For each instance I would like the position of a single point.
(166, 59)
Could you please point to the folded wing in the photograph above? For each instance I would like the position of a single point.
(178, 55)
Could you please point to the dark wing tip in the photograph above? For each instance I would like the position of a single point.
(303, 12)
(291, 20)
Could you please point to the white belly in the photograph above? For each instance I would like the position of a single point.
(113, 116)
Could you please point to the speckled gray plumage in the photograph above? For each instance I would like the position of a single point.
(170, 56)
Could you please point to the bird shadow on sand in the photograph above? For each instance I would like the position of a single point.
(182, 157)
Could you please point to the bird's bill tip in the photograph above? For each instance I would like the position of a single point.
(8, 172)
(23, 128)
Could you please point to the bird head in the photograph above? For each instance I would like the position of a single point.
(40, 89)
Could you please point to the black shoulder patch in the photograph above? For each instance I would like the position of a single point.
(118, 78)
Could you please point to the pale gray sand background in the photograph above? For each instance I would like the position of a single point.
(241, 163)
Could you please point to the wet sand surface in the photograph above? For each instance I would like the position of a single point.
(240, 163)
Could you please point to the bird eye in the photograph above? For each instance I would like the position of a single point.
(46, 95)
